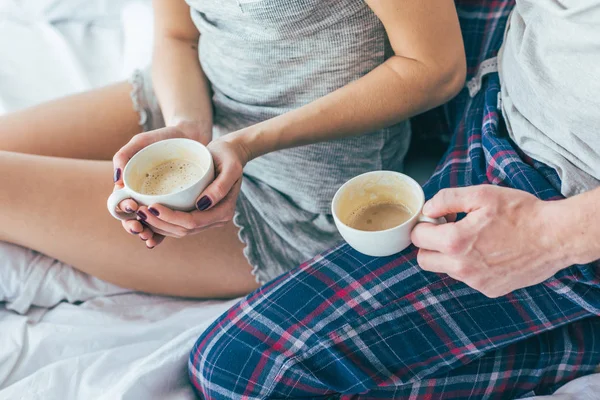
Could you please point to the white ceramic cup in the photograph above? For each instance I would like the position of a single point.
(152, 156)
(379, 187)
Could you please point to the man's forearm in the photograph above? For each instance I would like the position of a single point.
(180, 84)
(580, 226)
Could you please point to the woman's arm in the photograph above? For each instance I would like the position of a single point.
(179, 82)
(427, 70)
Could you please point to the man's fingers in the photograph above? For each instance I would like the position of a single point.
(456, 200)
(444, 238)
(434, 261)
(451, 217)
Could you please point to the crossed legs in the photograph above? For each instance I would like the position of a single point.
(55, 177)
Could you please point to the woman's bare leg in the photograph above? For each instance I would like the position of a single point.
(58, 206)
(93, 125)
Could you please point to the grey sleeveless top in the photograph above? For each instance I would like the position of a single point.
(266, 57)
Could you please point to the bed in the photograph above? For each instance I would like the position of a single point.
(65, 335)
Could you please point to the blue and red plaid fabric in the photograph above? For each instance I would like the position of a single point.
(348, 326)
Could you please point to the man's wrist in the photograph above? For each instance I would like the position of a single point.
(575, 223)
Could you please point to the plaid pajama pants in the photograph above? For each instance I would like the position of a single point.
(349, 326)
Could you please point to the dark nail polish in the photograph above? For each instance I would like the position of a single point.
(128, 210)
(117, 175)
(153, 211)
(142, 216)
(134, 232)
(204, 203)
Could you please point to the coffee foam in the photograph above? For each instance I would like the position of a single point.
(377, 216)
(170, 177)
(370, 190)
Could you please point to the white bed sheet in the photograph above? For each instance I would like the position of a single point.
(115, 344)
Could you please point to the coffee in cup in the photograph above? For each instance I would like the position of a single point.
(171, 176)
(172, 172)
(379, 216)
(376, 212)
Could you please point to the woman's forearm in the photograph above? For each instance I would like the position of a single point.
(391, 93)
(180, 85)
(428, 68)
(182, 88)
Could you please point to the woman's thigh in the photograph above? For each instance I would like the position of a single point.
(93, 125)
(57, 206)
(348, 323)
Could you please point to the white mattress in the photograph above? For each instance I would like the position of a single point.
(115, 344)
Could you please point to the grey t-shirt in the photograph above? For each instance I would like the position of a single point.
(550, 73)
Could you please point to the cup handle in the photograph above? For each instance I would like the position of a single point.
(435, 221)
(113, 201)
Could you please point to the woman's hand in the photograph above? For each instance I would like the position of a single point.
(216, 205)
(190, 130)
(508, 240)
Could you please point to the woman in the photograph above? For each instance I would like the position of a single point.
(253, 80)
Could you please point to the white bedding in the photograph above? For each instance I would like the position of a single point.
(115, 344)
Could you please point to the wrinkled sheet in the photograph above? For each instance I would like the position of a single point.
(63, 334)
(115, 345)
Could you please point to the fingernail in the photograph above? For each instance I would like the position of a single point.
(117, 175)
(153, 211)
(426, 208)
(134, 232)
(150, 248)
(128, 210)
(142, 216)
(204, 203)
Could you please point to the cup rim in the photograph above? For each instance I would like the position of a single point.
(405, 177)
(156, 144)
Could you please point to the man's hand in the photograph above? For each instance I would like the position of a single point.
(508, 240)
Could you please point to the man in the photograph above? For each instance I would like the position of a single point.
(502, 303)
